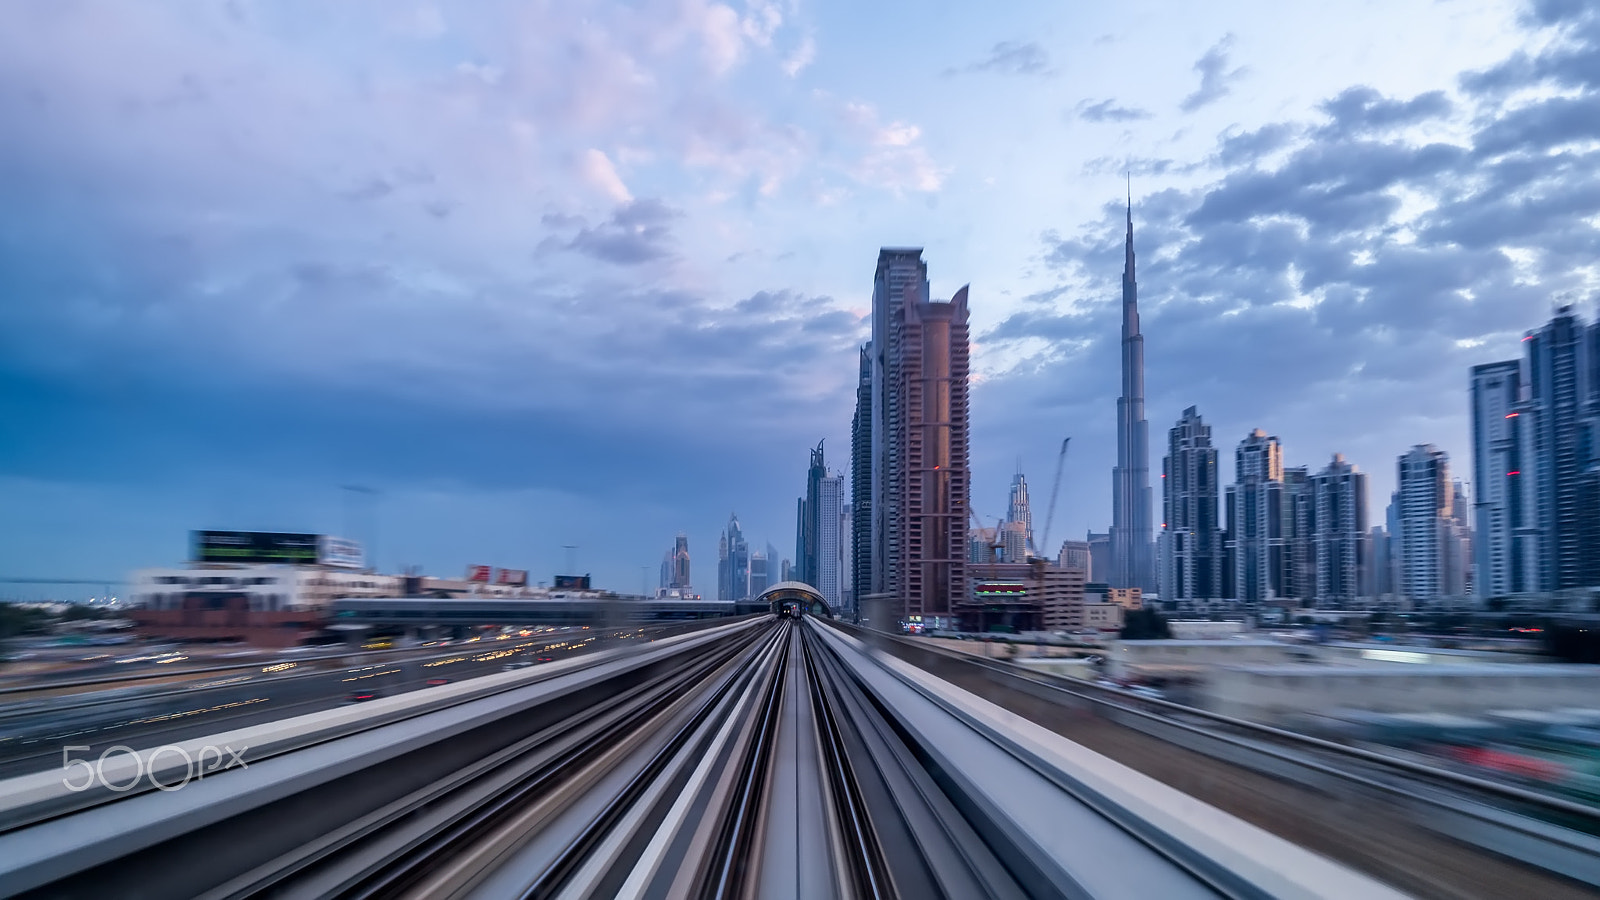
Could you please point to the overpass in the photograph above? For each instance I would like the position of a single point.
(798, 595)
(409, 611)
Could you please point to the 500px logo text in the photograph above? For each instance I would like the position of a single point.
(178, 762)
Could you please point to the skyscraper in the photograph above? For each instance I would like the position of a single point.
(809, 543)
(1506, 558)
(1192, 559)
(1130, 480)
(928, 441)
(1099, 555)
(680, 562)
(1340, 545)
(1299, 553)
(1458, 543)
(1019, 539)
(901, 278)
(760, 572)
(861, 483)
(846, 541)
(724, 571)
(733, 563)
(918, 503)
(1257, 537)
(1425, 506)
(1563, 398)
(826, 554)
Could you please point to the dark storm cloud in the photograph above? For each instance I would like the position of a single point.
(638, 232)
(1362, 109)
(1247, 147)
(1545, 125)
(1010, 58)
(1216, 79)
(1109, 111)
(1570, 62)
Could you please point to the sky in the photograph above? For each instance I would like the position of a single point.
(540, 276)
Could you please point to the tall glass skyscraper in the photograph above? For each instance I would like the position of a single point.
(1259, 512)
(1426, 507)
(1191, 540)
(1338, 534)
(1131, 534)
(1536, 462)
(1016, 537)
(1506, 546)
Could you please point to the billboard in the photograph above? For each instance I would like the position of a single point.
(255, 547)
(572, 583)
(478, 573)
(346, 554)
(512, 577)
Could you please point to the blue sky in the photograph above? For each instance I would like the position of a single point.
(591, 274)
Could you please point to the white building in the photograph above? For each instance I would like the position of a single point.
(1074, 555)
(830, 543)
(1431, 534)
(266, 588)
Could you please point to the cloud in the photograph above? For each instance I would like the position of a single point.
(636, 233)
(1248, 147)
(1216, 79)
(803, 56)
(1109, 111)
(894, 156)
(1330, 280)
(1010, 58)
(598, 171)
(1362, 109)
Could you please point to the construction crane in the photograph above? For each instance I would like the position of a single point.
(1055, 491)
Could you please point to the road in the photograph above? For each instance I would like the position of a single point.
(34, 734)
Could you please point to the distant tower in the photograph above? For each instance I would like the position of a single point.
(1130, 480)
(809, 541)
(680, 562)
(733, 570)
(1019, 516)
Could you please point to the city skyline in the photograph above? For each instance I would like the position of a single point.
(530, 308)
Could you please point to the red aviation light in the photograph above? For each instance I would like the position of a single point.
(1518, 472)
(1512, 415)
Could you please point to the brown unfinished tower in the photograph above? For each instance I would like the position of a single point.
(928, 441)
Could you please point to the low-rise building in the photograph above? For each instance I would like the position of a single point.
(1189, 660)
(1299, 696)
(1104, 616)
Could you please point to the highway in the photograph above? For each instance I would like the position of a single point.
(760, 758)
(33, 732)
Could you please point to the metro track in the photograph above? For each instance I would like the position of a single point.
(761, 759)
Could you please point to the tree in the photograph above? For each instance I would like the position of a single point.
(15, 620)
(78, 612)
(1144, 625)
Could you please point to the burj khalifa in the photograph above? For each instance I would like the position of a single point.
(1131, 548)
